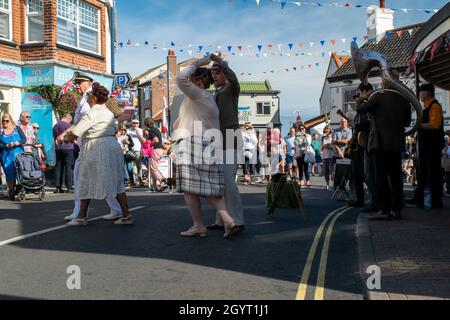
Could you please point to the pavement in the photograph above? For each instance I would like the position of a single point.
(413, 254)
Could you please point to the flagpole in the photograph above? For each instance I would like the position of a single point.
(168, 94)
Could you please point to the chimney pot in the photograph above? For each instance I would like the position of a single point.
(382, 4)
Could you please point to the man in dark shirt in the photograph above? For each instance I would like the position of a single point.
(390, 113)
(64, 156)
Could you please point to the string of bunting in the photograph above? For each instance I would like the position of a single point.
(346, 5)
(260, 50)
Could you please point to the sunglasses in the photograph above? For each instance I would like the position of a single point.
(5, 121)
(28, 117)
(36, 128)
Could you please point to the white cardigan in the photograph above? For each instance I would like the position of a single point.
(198, 105)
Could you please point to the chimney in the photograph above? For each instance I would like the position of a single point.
(379, 20)
(172, 61)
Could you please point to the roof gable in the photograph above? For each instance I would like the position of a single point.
(396, 49)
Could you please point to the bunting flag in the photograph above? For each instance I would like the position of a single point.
(259, 48)
(270, 47)
(290, 46)
(345, 5)
(333, 42)
(200, 48)
(229, 48)
(322, 42)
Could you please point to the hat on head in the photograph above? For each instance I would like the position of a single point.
(429, 87)
(217, 66)
(135, 121)
(199, 73)
(79, 76)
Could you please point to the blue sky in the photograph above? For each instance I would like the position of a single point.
(219, 23)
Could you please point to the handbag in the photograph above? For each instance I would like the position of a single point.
(130, 156)
(310, 156)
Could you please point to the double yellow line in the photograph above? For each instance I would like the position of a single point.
(319, 289)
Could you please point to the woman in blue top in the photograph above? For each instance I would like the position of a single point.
(12, 140)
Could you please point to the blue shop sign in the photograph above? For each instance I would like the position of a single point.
(37, 76)
(63, 75)
(10, 75)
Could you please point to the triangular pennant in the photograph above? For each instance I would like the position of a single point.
(333, 42)
(283, 4)
(410, 31)
(172, 44)
(257, 2)
(129, 42)
(317, 64)
(311, 44)
(259, 48)
(322, 42)
(301, 44)
(290, 46)
(343, 40)
(121, 44)
(200, 48)
(239, 48)
(355, 39)
(400, 33)
(229, 48)
(295, 68)
(190, 52)
(146, 43)
(388, 35)
(270, 46)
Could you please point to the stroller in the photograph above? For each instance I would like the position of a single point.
(30, 177)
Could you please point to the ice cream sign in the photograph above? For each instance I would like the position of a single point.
(37, 76)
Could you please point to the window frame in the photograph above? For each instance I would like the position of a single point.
(9, 13)
(79, 25)
(263, 105)
(28, 15)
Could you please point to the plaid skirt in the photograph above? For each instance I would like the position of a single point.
(197, 171)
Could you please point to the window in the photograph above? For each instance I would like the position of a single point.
(78, 25)
(263, 108)
(5, 19)
(147, 94)
(348, 104)
(35, 21)
(4, 101)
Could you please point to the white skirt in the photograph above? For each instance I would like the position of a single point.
(101, 172)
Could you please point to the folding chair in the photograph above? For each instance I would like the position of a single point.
(343, 174)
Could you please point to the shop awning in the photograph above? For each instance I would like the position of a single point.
(430, 48)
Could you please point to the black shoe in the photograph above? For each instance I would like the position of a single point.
(59, 190)
(369, 209)
(381, 216)
(437, 206)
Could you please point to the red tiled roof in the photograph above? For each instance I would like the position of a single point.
(396, 49)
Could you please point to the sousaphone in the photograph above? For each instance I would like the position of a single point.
(366, 61)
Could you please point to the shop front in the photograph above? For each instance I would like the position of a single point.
(16, 82)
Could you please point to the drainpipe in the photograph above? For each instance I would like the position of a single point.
(112, 23)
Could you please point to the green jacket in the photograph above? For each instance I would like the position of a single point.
(227, 99)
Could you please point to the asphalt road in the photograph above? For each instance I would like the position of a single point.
(149, 260)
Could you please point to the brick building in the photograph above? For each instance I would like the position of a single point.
(152, 87)
(44, 42)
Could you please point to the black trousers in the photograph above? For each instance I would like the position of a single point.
(358, 180)
(388, 180)
(430, 174)
(64, 163)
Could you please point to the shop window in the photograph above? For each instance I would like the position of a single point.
(4, 101)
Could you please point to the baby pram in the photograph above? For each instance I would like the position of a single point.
(30, 177)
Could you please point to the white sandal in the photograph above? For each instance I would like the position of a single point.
(124, 221)
(78, 223)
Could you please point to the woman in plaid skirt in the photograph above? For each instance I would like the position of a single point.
(198, 158)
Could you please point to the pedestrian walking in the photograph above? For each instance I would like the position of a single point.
(302, 143)
(153, 134)
(315, 144)
(27, 128)
(250, 144)
(65, 155)
(126, 145)
(328, 155)
(137, 134)
(12, 141)
(290, 151)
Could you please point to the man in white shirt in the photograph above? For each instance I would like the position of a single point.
(85, 82)
(137, 135)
